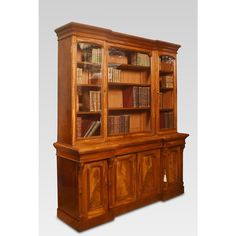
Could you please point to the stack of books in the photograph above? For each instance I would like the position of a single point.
(90, 100)
(167, 82)
(114, 75)
(140, 59)
(87, 127)
(136, 97)
(118, 124)
(97, 55)
(87, 77)
(167, 120)
(117, 56)
(90, 53)
(167, 59)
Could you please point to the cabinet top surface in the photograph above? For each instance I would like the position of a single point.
(119, 143)
(78, 29)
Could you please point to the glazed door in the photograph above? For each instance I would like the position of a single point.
(149, 173)
(123, 180)
(94, 189)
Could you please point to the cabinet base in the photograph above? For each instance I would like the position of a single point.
(83, 224)
(172, 193)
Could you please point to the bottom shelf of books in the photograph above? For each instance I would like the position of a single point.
(166, 120)
(88, 125)
(133, 122)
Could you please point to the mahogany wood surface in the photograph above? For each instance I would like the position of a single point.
(103, 176)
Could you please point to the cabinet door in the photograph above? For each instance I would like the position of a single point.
(94, 189)
(173, 166)
(149, 173)
(123, 180)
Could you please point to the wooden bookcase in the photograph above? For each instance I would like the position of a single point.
(118, 147)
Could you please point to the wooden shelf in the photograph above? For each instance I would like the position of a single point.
(89, 85)
(162, 72)
(166, 109)
(114, 84)
(129, 67)
(128, 108)
(166, 89)
(89, 65)
(89, 113)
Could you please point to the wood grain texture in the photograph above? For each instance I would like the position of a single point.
(124, 180)
(95, 194)
(149, 173)
(104, 176)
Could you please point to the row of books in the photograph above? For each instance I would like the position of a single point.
(89, 100)
(87, 127)
(140, 59)
(87, 77)
(114, 75)
(136, 96)
(93, 55)
(167, 120)
(167, 82)
(167, 59)
(118, 124)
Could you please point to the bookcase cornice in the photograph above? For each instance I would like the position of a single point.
(110, 36)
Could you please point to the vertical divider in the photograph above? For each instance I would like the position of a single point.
(175, 93)
(155, 99)
(74, 87)
(105, 90)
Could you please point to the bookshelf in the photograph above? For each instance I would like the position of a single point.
(118, 147)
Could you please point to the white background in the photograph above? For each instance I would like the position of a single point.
(19, 121)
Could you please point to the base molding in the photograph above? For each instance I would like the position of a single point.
(81, 225)
(166, 195)
(84, 224)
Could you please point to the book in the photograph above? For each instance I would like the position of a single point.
(140, 59)
(128, 97)
(86, 127)
(136, 96)
(114, 75)
(94, 128)
(166, 82)
(90, 100)
(118, 124)
(167, 120)
(90, 128)
(117, 56)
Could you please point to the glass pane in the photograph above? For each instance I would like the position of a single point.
(129, 92)
(166, 85)
(89, 82)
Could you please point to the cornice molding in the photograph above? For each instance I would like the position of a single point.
(110, 36)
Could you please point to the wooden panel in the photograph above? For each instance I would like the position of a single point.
(94, 190)
(149, 173)
(65, 111)
(115, 98)
(67, 185)
(173, 165)
(124, 180)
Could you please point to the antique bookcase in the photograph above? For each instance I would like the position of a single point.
(117, 146)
